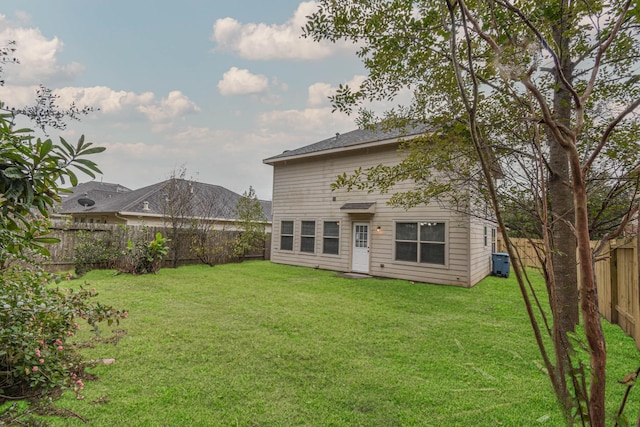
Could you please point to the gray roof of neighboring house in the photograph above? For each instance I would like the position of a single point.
(207, 200)
(350, 140)
(93, 190)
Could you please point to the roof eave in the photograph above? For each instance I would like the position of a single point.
(280, 158)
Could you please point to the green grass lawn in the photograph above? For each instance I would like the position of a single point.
(259, 344)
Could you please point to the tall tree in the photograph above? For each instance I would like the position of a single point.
(36, 318)
(546, 91)
(178, 205)
(251, 222)
(32, 170)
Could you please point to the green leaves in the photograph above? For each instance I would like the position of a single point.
(251, 220)
(31, 174)
(37, 321)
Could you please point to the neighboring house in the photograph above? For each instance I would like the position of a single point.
(358, 231)
(104, 203)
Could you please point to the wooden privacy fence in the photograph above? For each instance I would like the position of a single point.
(617, 273)
(617, 281)
(62, 253)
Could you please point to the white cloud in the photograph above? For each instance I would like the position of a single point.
(319, 93)
(23, 17)
(266, 42)
(242, 82)
(109, 101)
(125, 105)
(315, 122)
(37, 55)
(169, 108)
(18, 96)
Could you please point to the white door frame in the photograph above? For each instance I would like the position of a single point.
(360, 244)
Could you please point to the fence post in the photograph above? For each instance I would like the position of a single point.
(636, 303)
(613, 281)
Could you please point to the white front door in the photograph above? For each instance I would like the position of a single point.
(360, 258)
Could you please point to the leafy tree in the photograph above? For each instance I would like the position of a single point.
(178, 204)
(213, 241)
(546, 92)
(31, 174)
(32, 170)
(36, 320)
(251, 222)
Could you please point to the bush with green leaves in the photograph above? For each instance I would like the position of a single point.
(95, 250)
(37, 322)
(214, 247)
(143, 256)
(31, 172)
(252, 223)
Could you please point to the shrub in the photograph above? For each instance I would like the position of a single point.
(142, 256)
(94, 250)
(214, 247)
(251, 220)
(36, 322)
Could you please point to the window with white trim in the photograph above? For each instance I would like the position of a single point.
(422, 242)
(331, 237)
(308, 236)
(286, 235)
(494, 232)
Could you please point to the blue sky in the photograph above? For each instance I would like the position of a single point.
(214, 86)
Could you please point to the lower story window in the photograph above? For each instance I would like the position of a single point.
(308, 236)
(331, 237)
(286, 235)
(420, 242)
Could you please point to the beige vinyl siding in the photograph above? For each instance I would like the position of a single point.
(480, 255)
(302, 191)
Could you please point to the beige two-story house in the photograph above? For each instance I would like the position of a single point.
(359, 231)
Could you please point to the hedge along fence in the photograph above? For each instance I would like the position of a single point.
(219, 243)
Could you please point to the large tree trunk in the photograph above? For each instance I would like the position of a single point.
(564, 240)
(561, 195)
(564, 297)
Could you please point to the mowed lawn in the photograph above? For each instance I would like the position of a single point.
(259, 344)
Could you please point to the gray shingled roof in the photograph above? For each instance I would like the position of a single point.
(350, 140)
(94, 190)
(210, 201)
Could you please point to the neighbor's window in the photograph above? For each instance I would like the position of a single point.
(286, 235)
(331, 237)
(308, 236)
(420, 242)
(485, 236)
